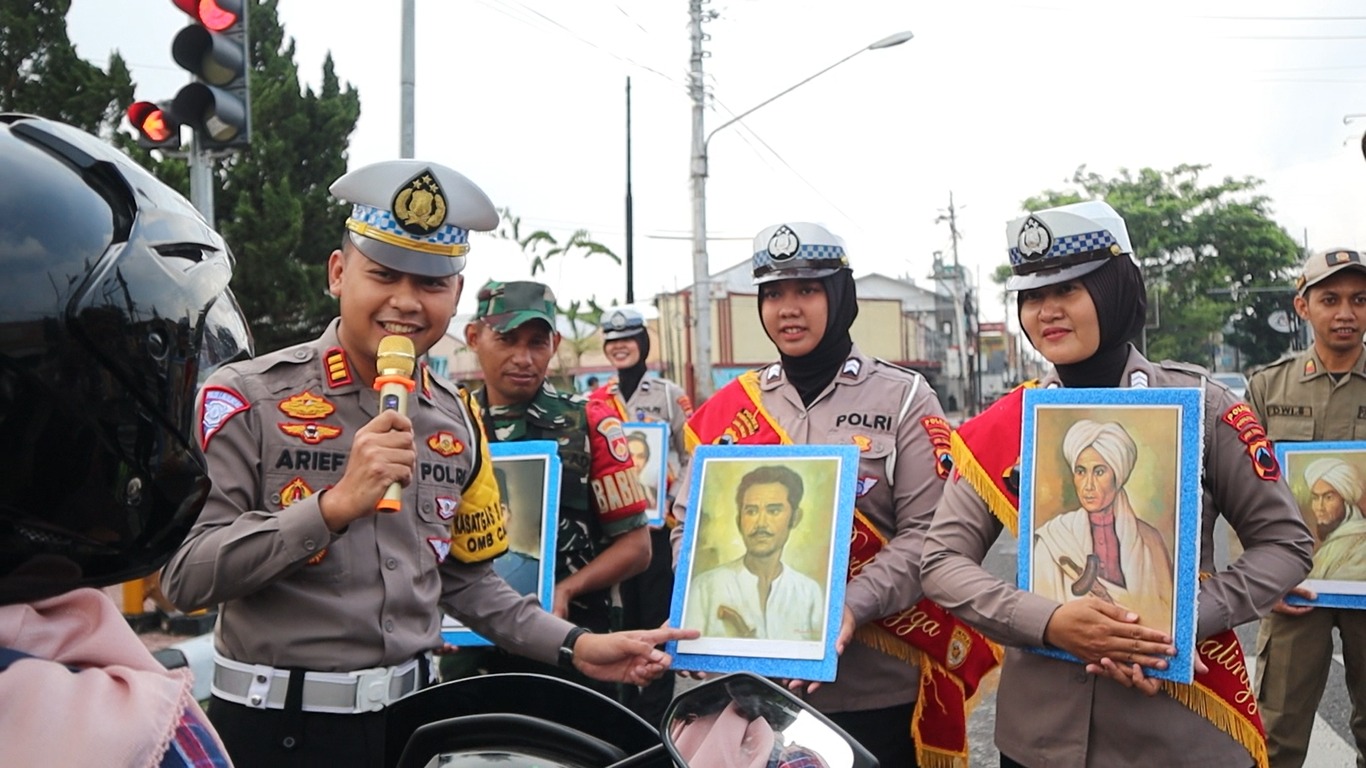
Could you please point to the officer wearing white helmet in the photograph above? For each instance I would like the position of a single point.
(637, 397)
(823, 390)
(1081, 299)
(328, 607)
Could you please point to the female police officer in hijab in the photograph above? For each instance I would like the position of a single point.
(114, 304)
(1081, 299)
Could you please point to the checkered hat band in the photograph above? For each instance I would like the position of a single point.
(384, 221)
(806, 257)
(1068, 248)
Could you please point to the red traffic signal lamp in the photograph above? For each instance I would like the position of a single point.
(155, 126)
(215, 50)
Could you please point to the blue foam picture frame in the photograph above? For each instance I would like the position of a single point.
(1137, 410)
(834, 466)
(657, 438)
(535, 461)
(1294, 458)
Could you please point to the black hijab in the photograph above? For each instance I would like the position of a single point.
(811, 372)
(629, 378)
(1121, 309)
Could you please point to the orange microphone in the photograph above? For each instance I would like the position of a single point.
(395, 363)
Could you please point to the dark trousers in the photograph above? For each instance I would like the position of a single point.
(267, 738)
(884, 732)
(645, 604)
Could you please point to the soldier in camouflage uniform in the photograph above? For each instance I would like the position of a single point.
(602, 538)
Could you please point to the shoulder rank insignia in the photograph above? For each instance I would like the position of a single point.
(306, 405)
(219, 405)
(774, 371)
(338, 370)
(851, 367)
(445, 444)
(310, 433)
(1310, 368)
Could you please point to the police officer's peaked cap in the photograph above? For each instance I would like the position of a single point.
(797, 250)
(622, 323)
(1322, 265)
(1055, 245)
(414, 216)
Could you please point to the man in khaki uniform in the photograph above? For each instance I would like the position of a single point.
(327, 607)
(1318, 394)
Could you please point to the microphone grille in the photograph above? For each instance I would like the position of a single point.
(396, 356)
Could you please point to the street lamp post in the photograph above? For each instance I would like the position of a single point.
(701, 290)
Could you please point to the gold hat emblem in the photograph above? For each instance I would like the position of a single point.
(419, 206)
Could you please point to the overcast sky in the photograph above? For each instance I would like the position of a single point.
(993, 100)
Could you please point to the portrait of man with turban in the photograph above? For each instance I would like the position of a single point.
(1104, 549)
(1335, 489)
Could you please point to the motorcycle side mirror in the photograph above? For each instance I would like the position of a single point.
(745, 720)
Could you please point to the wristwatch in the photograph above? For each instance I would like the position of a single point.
(566, 659)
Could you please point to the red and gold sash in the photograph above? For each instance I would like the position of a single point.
(986, 452)
(953, 657)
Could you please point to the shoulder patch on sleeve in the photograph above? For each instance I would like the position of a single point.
(611, 430)
(938, 430)
(1260, 451)
(217, 405)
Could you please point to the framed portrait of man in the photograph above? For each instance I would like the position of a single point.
(764, 558)
(649, 446)
(528, 477)
(1329, 480)
(1110, 505)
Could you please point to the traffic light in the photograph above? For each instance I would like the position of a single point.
(155, 126)
(215, 50)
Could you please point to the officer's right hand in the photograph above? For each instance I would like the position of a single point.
(1282, 607)
(1092, 629)
(382, 452)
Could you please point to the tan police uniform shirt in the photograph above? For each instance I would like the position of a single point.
(658, 399)
(1050, 712)
(883, 407)
(276, 432)
(1298, 400)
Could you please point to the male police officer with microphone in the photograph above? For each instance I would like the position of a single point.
(329, 595)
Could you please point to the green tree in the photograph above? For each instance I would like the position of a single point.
(1203, 249)
(540, 246)
(41, 74)
(271, 201)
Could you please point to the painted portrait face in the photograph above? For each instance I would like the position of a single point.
(766, 518)
(640, 452)
(1328, 507)
(1061, 322)
(1094, 481)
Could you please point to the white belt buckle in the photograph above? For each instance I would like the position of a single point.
(372, 689)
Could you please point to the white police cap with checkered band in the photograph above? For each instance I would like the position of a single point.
(797, 250)
(1064, 243)
(622, 323)
(414, 216)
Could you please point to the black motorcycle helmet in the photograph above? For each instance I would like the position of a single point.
(114, 305)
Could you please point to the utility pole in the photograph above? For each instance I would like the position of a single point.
(964, 306)
(630, 216)
(406, 79)
(701, 271)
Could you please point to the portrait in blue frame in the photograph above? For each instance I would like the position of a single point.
(741, 515)
(653, 463)
(528, 477)
(1121, 460)
(1324, 477)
